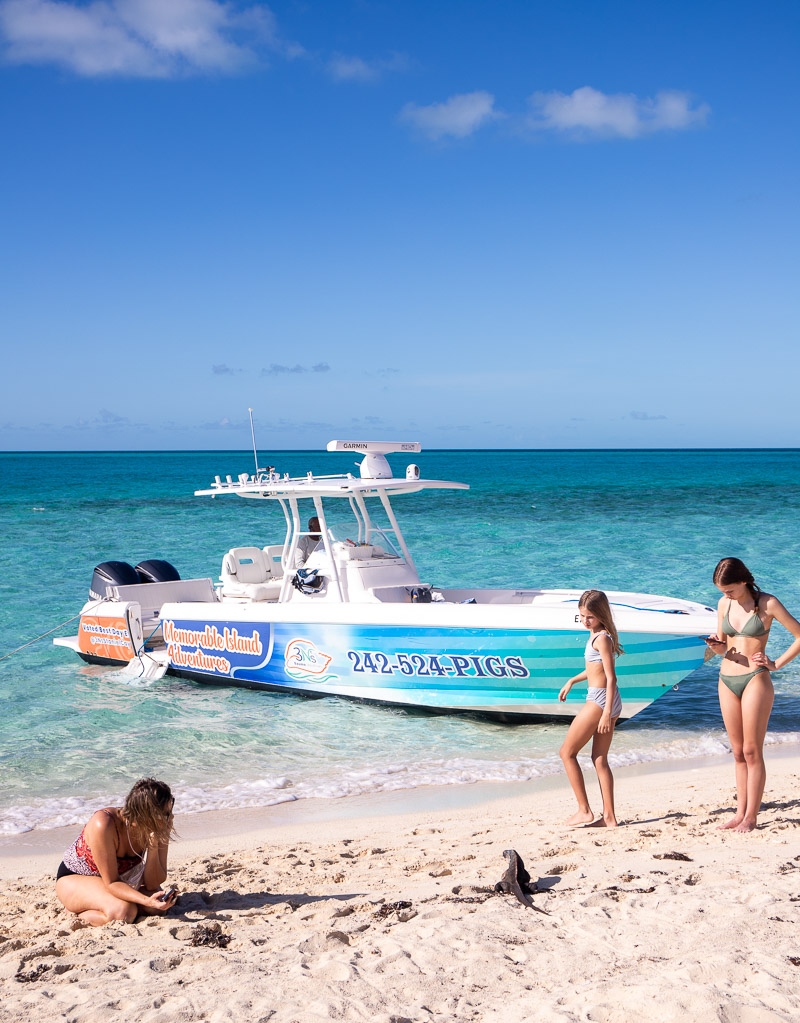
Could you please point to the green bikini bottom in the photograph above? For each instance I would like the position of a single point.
(738, 683)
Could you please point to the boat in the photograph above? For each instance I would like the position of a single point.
(353, 618)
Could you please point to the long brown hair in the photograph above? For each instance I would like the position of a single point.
(596, 602)
(148, 811)
(732, 570)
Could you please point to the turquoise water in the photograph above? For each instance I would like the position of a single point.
(73, 735)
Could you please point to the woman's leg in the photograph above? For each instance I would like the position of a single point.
(731, 707)
(90, 900)
(757, 700)
(583, 727)
(600, 748)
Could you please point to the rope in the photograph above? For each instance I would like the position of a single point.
(50, 632)
(633, 607)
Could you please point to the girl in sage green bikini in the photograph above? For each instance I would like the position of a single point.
(745, 616)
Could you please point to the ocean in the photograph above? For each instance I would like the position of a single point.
(74, 737)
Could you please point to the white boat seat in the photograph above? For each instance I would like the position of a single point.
(247, 572)
(273, 553)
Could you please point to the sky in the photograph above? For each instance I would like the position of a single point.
(570, 224)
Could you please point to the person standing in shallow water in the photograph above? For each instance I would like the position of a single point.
(745, 616)
(599, 714)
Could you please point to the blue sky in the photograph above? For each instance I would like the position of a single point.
(502, 224)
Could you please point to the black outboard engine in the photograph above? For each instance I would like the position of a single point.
(111, 573)
(156, 571)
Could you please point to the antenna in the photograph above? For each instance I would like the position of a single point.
(253, 435)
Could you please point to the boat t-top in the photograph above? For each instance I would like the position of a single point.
(327, 612)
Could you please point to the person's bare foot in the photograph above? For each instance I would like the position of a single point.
(604, 822)
(746, 826)
(580, 817)
(732, 825)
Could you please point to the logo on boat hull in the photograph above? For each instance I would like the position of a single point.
(305, 663)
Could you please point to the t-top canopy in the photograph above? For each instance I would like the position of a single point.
(375, 476)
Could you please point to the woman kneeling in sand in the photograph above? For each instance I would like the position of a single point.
(115, 867)
(600, 712)
(745, 616)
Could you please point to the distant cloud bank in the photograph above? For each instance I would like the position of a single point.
(139, 38)
(584, 113)
(645, 417)
(277, 369)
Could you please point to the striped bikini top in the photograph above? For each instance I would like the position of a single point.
(78, 858)
(590, 653)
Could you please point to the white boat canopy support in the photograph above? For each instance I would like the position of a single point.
(375, 479)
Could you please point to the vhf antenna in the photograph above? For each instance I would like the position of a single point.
(253, 435)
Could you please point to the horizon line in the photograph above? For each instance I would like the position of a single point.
(289, 451)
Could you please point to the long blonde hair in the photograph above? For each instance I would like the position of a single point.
(148, 811)
(596, 602)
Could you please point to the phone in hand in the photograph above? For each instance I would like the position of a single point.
(169, 894)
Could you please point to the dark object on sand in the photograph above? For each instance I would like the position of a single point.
(516, 880)
(26, 978)
(391, 907)
(673, 856)
(203, 935)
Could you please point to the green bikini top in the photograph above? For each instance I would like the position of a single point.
(752, 627)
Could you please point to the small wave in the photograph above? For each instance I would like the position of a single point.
(358, 781)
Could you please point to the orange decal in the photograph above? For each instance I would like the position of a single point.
(105, 637)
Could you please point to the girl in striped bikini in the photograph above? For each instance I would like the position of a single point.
(745, 616)
(596, 719)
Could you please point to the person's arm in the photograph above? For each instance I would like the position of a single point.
(573, 681)
(301, 552)
(790, 623)
(155, 868)
(605, 648)
(718, 644)
(101, 837)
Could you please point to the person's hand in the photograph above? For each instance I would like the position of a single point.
(714, 641)
(160, 904)
(760, 660)
(605, 725)
(564, 690)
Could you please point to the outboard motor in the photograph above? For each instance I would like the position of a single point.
(156, 571)
(111, 573)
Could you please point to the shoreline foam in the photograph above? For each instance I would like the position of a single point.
(263, 793)
(32, 852)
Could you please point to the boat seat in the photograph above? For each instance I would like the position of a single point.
(249, 573)
(273, 553)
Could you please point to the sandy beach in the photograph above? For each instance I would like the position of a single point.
(385, 910)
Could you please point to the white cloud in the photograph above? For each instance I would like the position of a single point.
(458, 116)
(142, 38)
(355, 69)
(588, 112)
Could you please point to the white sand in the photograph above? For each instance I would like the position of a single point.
(305, 895)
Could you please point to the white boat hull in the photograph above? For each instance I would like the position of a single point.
(500, 660)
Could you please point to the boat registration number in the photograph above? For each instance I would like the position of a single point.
(453, 665)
